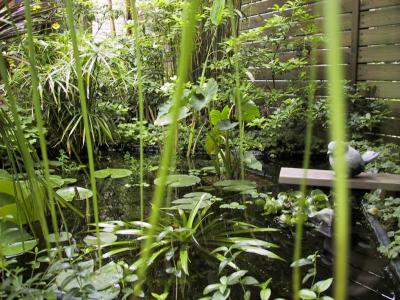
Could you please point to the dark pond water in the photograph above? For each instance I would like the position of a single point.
(370, 277)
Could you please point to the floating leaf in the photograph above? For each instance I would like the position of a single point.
(233, 205)
(14, 240)
(105, 239)
(74, 192)
(251, 161)
(189, 201)
(63, 237)
(113, 173)
(179, 180)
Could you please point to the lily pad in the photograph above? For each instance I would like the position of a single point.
(233, 205)
(105, 239)
(74, 192)
(14, 240)
(63, 237)
(179, 180)
(113, 173)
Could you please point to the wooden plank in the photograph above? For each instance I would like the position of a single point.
(266, 6)
(259, 20)
(320, 55)
(264, 73)
(381, 17)
(380, 53)
(364, 181)
(355, 25)
(384, 89)
(368, 4)
(391, 126)
(379, 72)
(380, 35)
(394, 106)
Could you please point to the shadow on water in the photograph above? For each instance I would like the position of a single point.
(370, 277)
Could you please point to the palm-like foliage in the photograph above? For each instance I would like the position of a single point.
(12, 17)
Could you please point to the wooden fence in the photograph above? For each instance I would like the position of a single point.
(370, 43)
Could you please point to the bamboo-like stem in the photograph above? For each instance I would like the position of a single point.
(306, 164)
(39, 118)
(112, 19)
(88, 137)
(138, 54)
(237, 94)
(186, 49)
(37, 196)
(337, 110)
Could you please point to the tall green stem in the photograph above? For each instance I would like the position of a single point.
(88, 137)
(138, 54)
(39, 117)
(337, 109)
(237, 94)
(306, 165)
(186, 49)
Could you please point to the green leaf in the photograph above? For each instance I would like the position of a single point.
(179, 180)
(250, 111)
(235, 277)
(225, 125)
(74, 192)
(249, 280)
(105, 239)
(183, 256)
(217, 10)
(114, 173)
(251, 161)
(265, 294)
(106, 276)
(107, 294)
(14, 240)
(307, 294)
(322, 286)
(166, 119)
(63, 236)
(6, 199)
(210, 288)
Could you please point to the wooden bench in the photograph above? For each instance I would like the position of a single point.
(364, 181)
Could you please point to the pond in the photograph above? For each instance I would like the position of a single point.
(370, 277)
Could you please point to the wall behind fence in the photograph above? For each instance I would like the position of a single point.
(370, 43)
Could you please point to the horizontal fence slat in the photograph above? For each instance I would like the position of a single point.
(264, 73)
(266, 6)
(385, 89)
(382, 53)
(380, 35)
(368, 4)
(387, 16)
(391, 126)
(379, 72)
(320, 55)
(394, 106)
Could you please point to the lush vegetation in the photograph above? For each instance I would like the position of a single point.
(181, 83)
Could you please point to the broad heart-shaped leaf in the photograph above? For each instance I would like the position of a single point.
(217, 10)
(265, 294)
(166, 119)
(179, 180)
(74, 192)
(14, 240)
(225, 125)
(250, 111)
(204, 94)
(107, 294)
(105, 239)
(216, 115)
(6, 199)
(251, 161)
(113, 173)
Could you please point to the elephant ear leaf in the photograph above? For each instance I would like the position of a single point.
(217, 10)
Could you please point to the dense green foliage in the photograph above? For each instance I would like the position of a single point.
(183, 81)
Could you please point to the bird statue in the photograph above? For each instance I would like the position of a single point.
(355, 161)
